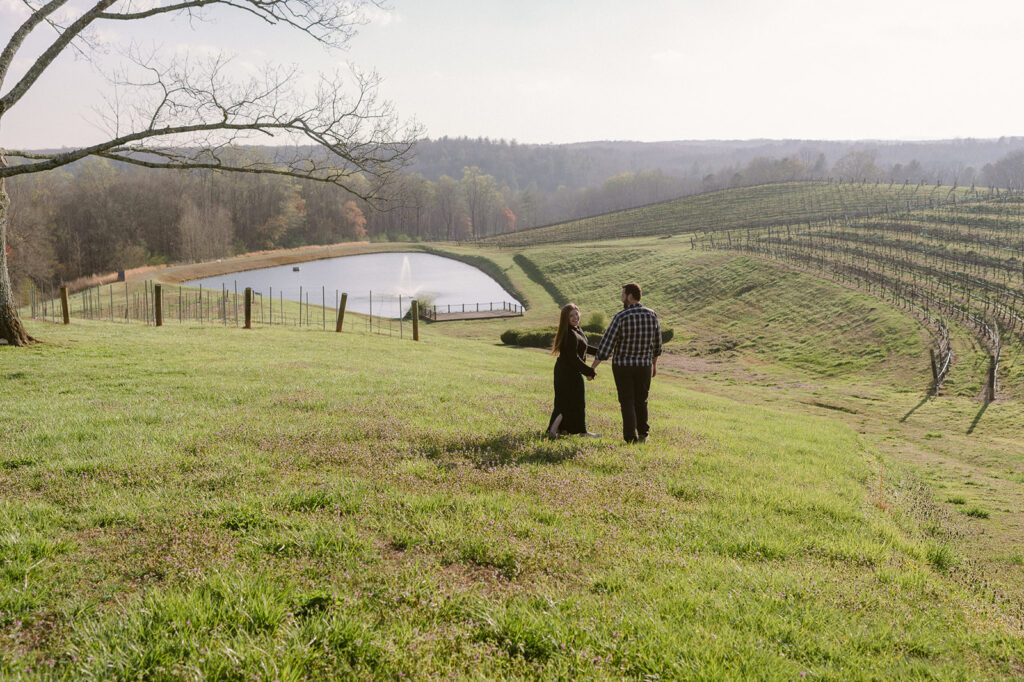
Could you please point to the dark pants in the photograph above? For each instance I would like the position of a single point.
(633, 385)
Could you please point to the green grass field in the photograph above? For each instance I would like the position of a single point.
(205, 502)
(210, 503)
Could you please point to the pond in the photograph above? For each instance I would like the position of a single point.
(394, 279)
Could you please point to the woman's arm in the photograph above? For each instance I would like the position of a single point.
(570, 350)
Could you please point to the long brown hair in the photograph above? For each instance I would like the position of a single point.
(563, 326)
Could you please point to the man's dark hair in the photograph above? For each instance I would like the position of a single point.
(632, 289)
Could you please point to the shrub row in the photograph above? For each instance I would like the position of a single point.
(545, 336)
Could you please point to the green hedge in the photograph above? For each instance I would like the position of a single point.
(534, 338)
(545, 336)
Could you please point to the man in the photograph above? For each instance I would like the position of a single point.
(634, 340)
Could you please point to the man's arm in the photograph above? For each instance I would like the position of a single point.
(657, 345)
(604, 349)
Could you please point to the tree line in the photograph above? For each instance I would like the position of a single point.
(100, 216)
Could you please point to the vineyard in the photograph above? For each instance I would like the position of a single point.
(746, 208)
(955, 265)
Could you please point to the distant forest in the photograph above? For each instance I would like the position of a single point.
(97, 216)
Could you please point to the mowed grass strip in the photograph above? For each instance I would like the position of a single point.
(284, 504)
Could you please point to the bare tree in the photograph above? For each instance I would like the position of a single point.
(188, 114)
(204, 233)
(858, 166)
(448, 205)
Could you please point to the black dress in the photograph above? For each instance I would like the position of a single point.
(570, 395)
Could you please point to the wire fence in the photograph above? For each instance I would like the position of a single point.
(152, 303)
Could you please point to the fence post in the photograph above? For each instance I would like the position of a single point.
(64, 304)
(341, 312)
(415, 320)
(991, 390)
(158, 304)
(248, 308)
(935, 372)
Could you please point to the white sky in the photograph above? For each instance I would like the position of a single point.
(575, 70)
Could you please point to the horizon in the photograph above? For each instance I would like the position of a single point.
(498, 140)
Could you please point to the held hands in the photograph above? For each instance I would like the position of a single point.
(592, 377)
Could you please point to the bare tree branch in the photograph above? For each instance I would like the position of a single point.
(329, 22)
(46, 58)
(205, 114)
(18, 38)
(193, 111)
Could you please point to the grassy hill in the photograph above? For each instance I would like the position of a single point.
(721, 304)
(736, 209)
(209, 502)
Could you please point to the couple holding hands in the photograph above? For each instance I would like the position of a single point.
(632, 340)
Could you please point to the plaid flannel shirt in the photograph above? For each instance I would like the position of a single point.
(633, 337)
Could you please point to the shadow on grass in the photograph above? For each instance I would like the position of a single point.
(977, 417)
(523, 447)
(927, 397)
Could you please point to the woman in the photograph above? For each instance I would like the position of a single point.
(570, 413)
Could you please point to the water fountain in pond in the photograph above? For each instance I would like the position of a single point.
(405, 288)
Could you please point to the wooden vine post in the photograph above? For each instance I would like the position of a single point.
(248, 308)
(341, 312)
(935, 372)
(991, 388)
(415, 320)
(65, 307)
(158, 304)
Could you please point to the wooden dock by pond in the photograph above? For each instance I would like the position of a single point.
(470, 311)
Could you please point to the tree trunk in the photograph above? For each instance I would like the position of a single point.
(11, 329)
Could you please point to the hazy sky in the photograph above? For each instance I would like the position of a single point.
(567, 70)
